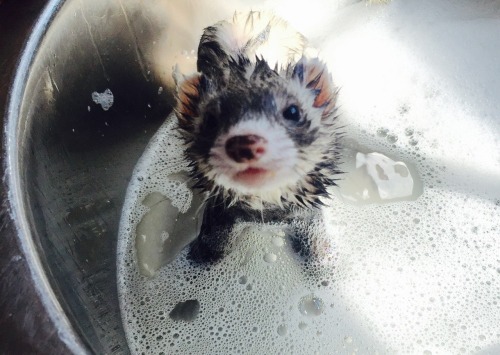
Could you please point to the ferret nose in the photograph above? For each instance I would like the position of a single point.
(246, 148)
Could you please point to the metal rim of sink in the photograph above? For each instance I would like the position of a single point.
(14, 183)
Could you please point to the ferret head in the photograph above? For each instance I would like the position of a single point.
(260, 135)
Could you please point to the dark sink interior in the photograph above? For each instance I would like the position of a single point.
(76, 158)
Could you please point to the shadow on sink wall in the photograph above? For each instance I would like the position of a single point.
(76, 158)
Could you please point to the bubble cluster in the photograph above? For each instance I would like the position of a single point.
(254, 300)
(418, 275)
(379, 277)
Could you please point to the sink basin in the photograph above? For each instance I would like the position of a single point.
(95, 83)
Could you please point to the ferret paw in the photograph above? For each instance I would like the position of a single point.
(201, 252)
(301, 246)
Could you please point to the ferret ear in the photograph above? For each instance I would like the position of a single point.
(313, 74)
(188, 97)
(212, 52)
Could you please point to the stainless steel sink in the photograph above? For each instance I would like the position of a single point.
(69, 160)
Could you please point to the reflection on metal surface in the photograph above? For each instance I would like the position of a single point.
(16, 199)
(68, 162)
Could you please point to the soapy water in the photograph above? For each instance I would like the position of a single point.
(410, 259)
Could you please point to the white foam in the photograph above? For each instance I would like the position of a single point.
(419, 84)
(105, 99)
(161, 214)
(375, 178)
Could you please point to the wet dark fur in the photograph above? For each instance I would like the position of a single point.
(219, 97)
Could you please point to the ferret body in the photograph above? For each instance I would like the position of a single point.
(258, 122)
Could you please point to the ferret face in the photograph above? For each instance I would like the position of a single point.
(257, 134)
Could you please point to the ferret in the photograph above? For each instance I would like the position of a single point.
(258, 121)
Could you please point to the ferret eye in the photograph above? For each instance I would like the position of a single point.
(292, 113)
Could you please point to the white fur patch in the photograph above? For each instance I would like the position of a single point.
(280, 159)
(251, 35)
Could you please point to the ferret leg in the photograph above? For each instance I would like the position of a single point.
(300, 242)
(305, 234)
(211, 244)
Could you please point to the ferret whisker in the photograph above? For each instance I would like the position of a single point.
(261, 209)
